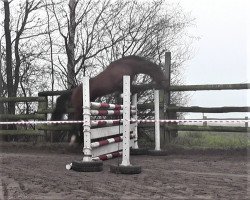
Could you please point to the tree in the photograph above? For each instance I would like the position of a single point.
(10, 85)
(97, 33)
(64, 40)
(25, 20)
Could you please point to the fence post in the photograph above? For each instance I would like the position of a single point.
(205, 122)
(165, 99)
(43, 106)
(172, 115)
(246, 123)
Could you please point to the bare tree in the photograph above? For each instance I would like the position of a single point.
(20, 29)
(8, 44)
(97, 33)
(69, 39)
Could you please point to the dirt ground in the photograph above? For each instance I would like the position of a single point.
(31, 172)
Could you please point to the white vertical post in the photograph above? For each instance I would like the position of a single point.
(86, 120)
(157, 122)
(126, 121)
(134, 103)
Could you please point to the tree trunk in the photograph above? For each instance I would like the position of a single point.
(70, 46)
(10, 86)
(1, 81)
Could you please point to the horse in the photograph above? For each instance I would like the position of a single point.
(109, 81)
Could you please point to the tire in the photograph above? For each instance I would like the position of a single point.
(125, 169)
(92, 166)
(158, 153)
(138, 151)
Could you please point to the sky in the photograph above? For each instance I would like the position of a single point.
(221, 53)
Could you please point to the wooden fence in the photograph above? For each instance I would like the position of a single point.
(168, 109)
(23, 130)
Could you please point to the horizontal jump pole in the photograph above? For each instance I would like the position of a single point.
(117, 122)
(108, 106)
(111, 147)
(109, 141)
(96, 123)
(109, 131)
(108, 112)
(108, 156)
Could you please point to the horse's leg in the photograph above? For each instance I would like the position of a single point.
(76, 136)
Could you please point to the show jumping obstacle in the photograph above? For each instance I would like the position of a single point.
(95, 152)
(112, 76)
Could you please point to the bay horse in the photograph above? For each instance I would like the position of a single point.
(109, 81)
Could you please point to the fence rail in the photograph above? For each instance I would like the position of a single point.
(200, 128)
(51, 93)
(167, 110)
(198, 109)
(224, 109)
(179, 88)
(22, 117)
(22, 99)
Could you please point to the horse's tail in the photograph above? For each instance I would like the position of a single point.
(61, 106)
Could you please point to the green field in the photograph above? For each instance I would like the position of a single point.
(216, 140)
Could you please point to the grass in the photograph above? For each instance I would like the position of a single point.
(216, 140)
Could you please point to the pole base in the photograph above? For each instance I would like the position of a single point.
(90, 166)
(120, 169)
(158, 153)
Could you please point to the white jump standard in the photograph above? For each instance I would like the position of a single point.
(125, 167)
(103, 149)
(87, 164)
(157, 151)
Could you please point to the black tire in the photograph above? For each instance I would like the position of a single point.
(92, 166)
(138, 151)
(158, 153)
(125, 169)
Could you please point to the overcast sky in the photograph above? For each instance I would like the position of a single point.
(221, 53)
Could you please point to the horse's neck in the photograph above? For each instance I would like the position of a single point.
(153, 70)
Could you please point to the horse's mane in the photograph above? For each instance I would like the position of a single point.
(134, 57)
(138, 58)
